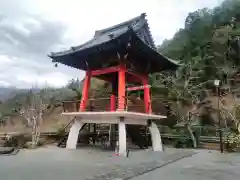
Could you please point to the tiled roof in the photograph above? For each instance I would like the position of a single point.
(138, 24)
(108, 38)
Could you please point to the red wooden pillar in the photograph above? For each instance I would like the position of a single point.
(85, 91)
(147, 96)
(113, 102)
(114, 93)
(121, 87)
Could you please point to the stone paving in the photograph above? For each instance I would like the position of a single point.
(87, 163)
(150, 162)
(205, 165)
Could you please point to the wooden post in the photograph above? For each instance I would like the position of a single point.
(147, 98)
(85, 91)
(114, 94)
(113, 102)
(121, 88)
(113, 127)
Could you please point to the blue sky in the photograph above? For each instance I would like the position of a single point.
(30, 29)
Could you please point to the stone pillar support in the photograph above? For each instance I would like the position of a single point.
(73, 134)
(155, 136)
(122, 136)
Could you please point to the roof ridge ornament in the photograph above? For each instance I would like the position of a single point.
(111, 36)
(143, 15)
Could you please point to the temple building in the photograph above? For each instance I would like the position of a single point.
(123, 55)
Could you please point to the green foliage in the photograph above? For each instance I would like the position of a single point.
(76, 86)
(233, 142)
(17, 141)
(199, 29)
(208, 48)
(183, 143)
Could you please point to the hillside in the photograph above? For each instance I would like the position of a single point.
(9, 92)
(13, 99)
(5, 92)
(208, 48)
(53, 121)
(200, 26)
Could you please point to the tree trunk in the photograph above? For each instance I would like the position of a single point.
(192, 136)
(238, 127)
(34, 134)
(33, 138)
(178, 110)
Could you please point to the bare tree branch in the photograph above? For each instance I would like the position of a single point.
(33, 111)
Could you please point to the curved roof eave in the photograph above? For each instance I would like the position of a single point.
(83, 48)
(173, 62)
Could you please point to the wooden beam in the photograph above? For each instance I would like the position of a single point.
(136, 88)
(105, 71)
(137, 75)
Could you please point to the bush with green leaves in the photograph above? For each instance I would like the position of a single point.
(233, 142)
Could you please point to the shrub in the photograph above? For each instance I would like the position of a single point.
(233, 142)
(184, 143)
(17, 141)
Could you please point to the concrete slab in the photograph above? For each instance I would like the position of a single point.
(113, 117)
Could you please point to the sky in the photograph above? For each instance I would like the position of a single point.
(31, 29)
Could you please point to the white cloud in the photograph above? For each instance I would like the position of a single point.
(31, 29)
(4, 84)
(57, 79)
(84, 17)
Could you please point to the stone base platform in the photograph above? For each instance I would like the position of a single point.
(119, 117)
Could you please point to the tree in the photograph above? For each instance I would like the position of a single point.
(76, 86)
(2, 122)
(32, 111)
(229, 42)
(184, 88)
